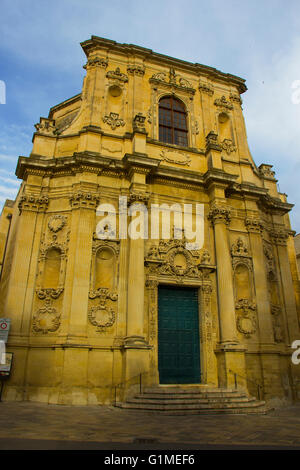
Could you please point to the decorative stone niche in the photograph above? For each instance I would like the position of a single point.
(245, 306)
(51, 274)
(102, 311)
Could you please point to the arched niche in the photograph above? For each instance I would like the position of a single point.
(52, 269)
(105, 268)
(273, 289)
(242, 278)
(224, 125)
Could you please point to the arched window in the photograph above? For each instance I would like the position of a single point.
(172, 121)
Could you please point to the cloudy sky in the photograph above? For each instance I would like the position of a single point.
(41, 65)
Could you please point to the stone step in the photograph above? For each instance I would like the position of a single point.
(181, 400)
(188, 396)
(208, 411)
(189, 389)
(193, 400)
(188, 406)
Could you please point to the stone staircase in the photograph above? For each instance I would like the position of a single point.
(194, 399)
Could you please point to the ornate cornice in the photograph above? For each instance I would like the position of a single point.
(96, 43)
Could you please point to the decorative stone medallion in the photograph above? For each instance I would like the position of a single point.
(56, 223)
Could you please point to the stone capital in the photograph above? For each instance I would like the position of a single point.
(96, 61)
(219, 214)
(254, 225)
(84, 200)
(138, 197)
(212, 142)
(138, 123)
(136, 70)
(33, 203)
(279, 237)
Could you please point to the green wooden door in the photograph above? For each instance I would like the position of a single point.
(178, 336)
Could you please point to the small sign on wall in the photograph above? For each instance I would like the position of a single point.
(4, 329)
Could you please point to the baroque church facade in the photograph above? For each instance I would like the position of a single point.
(89, 315)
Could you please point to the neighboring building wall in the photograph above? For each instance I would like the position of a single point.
(297, 248)
(5, 222)
(84, 311)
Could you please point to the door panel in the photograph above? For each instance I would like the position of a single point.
(178, 335)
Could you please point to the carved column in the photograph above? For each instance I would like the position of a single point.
(254, 227)
(220, 217)
(279, 238)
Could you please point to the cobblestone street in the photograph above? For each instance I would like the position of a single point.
(40, 426)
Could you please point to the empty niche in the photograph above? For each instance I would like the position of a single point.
(242, 282)
(224, 127)
(52, 269)
(273, 289)
(104, 275)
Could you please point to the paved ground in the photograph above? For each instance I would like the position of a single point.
(25, 425)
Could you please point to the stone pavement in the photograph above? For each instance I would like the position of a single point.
(36, 425)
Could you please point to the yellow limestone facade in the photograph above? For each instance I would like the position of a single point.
(84, 311)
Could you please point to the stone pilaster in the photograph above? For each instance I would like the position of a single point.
(279, 238)
(136, 280)
(220, 217)
(93, 89)
(255, 227)
(84, 205)
(27, 231)
(230, 355)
